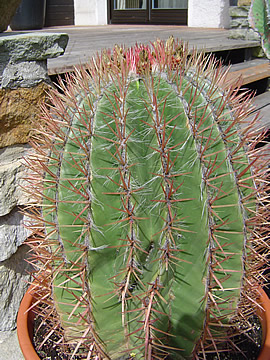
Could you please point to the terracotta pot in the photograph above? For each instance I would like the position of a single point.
(264, 316)
(25, 327)
(25, 320)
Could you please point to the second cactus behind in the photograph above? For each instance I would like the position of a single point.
(259, 20)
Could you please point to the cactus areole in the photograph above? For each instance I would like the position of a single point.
(151, 205)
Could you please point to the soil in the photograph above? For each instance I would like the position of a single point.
(249, 344)
(49, 350)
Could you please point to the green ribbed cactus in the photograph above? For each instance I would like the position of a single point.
(154, 230)
(259, 19)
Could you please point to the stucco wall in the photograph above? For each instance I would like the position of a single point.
(208, 13)
(201, 13)
(90, 12)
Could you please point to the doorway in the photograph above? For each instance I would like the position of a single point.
(162, 12)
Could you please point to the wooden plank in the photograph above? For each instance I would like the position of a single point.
(85, 41)
(59, 12)
(262, 103)
(169, 16)
(65, 13)
(250, 71)
(59, 2)
(129, 16)
(266, 151)
(65, 21)
(262, 100)
(249, 63)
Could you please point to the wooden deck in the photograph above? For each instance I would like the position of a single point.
(250, 71)
(262, 103)
(85, 41)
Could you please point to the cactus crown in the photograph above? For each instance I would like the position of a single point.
(151, 236)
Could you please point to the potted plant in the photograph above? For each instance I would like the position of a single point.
(150, 239)
(30, 15)
(26, 321)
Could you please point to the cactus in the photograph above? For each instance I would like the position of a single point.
(259, 19)
(151, 238)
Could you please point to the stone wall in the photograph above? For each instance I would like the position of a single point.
(23, 83)
(239, 23)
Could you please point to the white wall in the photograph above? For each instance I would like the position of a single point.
(201, 13)
(208, 13)
(90, 12)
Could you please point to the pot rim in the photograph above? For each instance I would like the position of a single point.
(26, 317)
(264, 315)
(25, 321)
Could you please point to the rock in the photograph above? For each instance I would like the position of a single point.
(31, 46)
(24, 74)
(19, 110)
(239, 23)
(12, 179)
(244, 2)
(12, 233)
(252, 35)
(14, 278)
(23, 85)
(23, 57)
(239, 11)
(244, 34)
(7, 10)
(12, 174)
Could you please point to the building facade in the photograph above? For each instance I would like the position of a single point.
(194, 13)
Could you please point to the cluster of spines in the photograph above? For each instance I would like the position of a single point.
(49, 255)
(121, 64)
